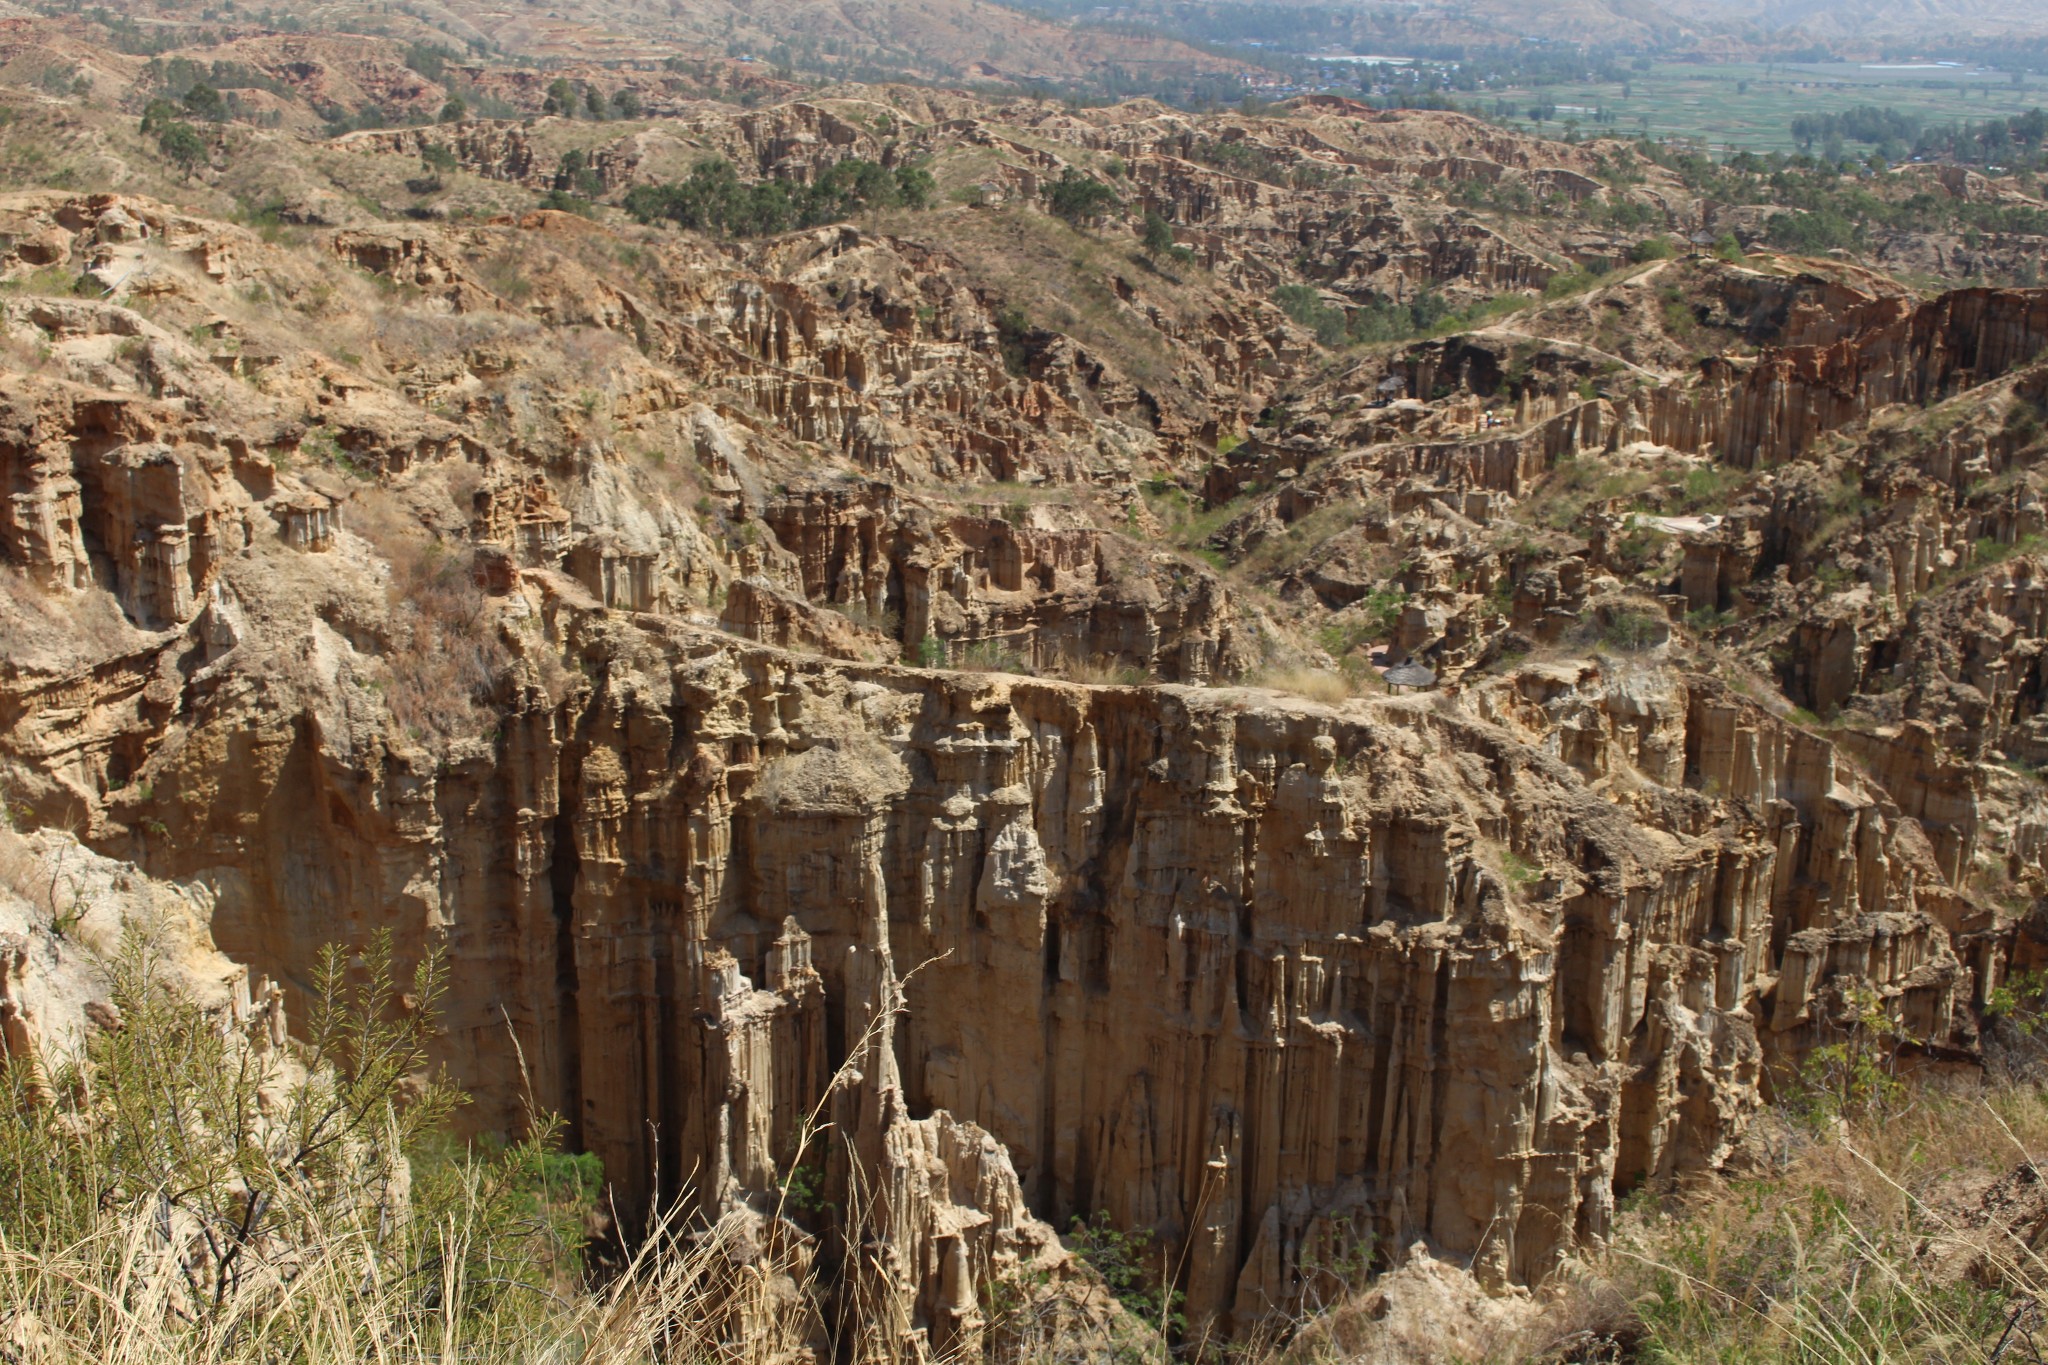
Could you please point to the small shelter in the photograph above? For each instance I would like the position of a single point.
(1409, 677)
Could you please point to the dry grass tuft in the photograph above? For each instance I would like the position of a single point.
(1100, 671)
(1879, 1234)
(1325, 685)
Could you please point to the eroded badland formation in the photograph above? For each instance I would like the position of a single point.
(920, 674)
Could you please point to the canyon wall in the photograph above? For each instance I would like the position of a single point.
(1270, 979)
(587, 687)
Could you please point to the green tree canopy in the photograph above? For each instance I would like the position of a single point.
(181, 144)
(1078, 198)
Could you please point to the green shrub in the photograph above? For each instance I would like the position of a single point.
(1304, 304)
(1382, 610)
(1567, 283)
(1124, 1260)
(1157, 234)
(204, 102)
(992, 656)
(1631, 630)
(1809, 233)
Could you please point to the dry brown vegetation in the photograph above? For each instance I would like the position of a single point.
(183, 1193)
(1866, 1225)
(443, 654)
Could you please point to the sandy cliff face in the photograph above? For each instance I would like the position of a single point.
(1266, 977)
(645, 621)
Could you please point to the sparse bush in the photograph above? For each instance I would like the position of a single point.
(1013, 340)
(1304, 304)
(1632, 630)
(1885, 1218)
(1519, 871)
(884, 622)
(1709, 485)
(992, 656)
(1567, 283)
(449, 655)
(2022, 423)
(1707, 620)
(1125, 1260)
(1102, 672)
(1678, 316)
(1808, 234)
(1988, 551)
(564, 202)
(1637, 550)
(445, 652)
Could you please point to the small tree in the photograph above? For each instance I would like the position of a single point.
(576, 176)
(455, 110)
(1079, 199)
(181, 145)
(158, 113)
(1859, 1072)
(204, 102)
(593, 103)
(915, 186)
(1125, 1262)
(1157, 235)
(626, 103)
(561, 97)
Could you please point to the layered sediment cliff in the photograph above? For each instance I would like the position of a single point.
(1265, 977)
(645, 622)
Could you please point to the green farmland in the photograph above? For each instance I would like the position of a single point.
(1750, 105)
